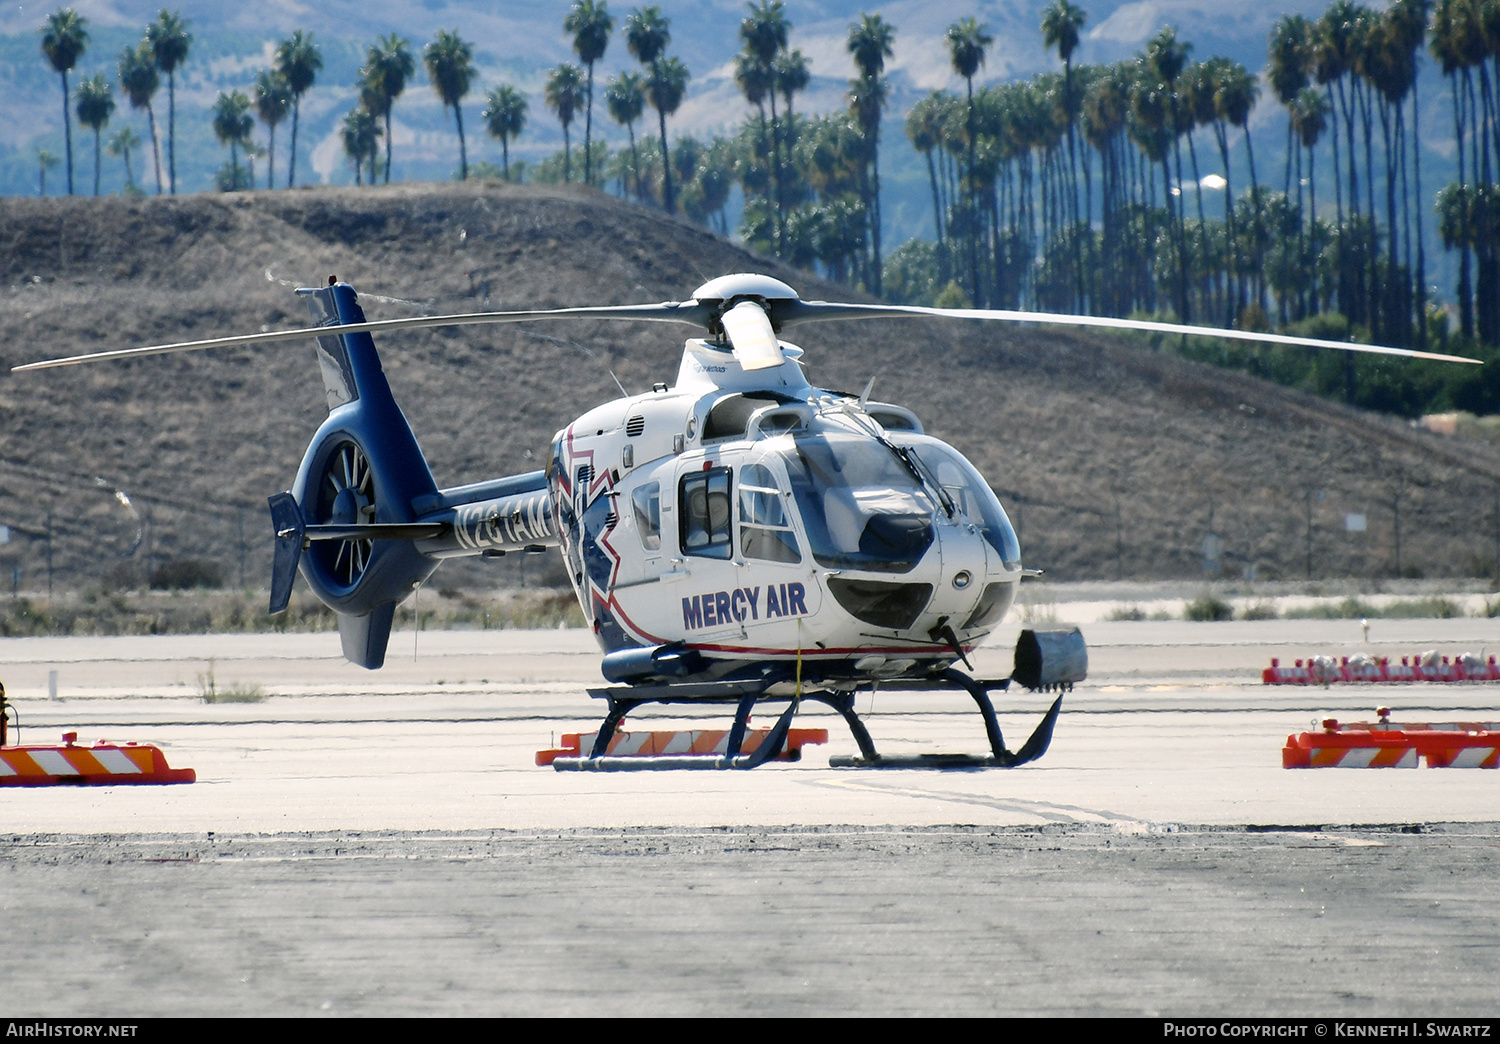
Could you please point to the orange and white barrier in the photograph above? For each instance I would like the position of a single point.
(1423, 667)
(1458, 744)
(681, 742)
(101, 763)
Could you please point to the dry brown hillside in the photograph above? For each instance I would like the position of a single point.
(1109, 456)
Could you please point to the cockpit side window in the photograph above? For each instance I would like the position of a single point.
(705, 510)
(646, 501)
(765, 531)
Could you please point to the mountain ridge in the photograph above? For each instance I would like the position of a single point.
(1113, 457)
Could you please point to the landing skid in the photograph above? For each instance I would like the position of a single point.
(998, 757)
(625, 699)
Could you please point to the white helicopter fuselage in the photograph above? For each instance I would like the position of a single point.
(745, 519)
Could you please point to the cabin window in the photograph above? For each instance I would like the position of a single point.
(704, 497)
(647, 504)
(765, 532)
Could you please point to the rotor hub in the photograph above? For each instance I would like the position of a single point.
(725, 292)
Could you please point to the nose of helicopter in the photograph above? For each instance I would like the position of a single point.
(974, 589)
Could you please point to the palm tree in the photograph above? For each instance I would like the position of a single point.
(96, 103)
(1167, 57)
(450, 67)
(591, 25)
(169, 39)
(870, 42)
(665, 89)
(361, 137)
(867, 97)
(764, 34)
(1409, 24)
(1061, 22)
(392, 60)
(967, 41)
(625, 95)
(1309, 114)
(1288, 68)
(792, 77)
(564, 95)
(1390, 66)
(45, 161)
(1367, 67)
(1448, 47)
(924, 126)
(647, 34)
(505, 116)
(63, 41)
(1235, 93)
(1333, 60)
(1105, 111)
(273, 101)
(139, 81)
(120, 145)
(252, 153)
(298, 60)
(373, 99)
(232, 126)
(756, 83)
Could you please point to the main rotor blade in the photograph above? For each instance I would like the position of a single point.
(791, 313)
(690, 312)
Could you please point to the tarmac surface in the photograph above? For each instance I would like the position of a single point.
(383, 843)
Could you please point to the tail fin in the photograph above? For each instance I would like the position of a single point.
(353, 377)
(365, 637)
(361, 474)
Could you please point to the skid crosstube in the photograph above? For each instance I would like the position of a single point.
(625, 699)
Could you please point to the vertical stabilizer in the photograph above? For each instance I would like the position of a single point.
(363, 468)
(365, 637)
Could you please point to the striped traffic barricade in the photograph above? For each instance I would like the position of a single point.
(1383, 744)
(95, 764)
(685, 742)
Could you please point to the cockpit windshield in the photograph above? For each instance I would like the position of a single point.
(969, 495)
(862, 506)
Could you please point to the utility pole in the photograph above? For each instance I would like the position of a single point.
(1309, 533)
(1396, 513)
(49, 554)
(1119, 543)
(150, 547)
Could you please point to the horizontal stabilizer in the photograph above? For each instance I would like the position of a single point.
(378, 531)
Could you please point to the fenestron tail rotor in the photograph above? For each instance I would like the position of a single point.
(346, 496)
(748, 311)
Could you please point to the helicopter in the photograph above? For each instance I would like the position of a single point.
(735, 536)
